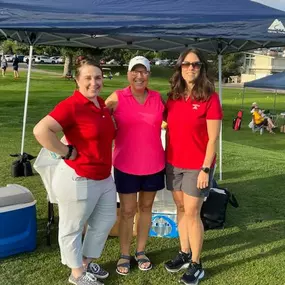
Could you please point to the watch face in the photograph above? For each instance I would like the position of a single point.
(206, 169)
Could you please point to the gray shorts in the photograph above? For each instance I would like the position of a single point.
(186, 180)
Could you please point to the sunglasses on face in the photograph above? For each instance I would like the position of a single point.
(137, 72)
(196, 64)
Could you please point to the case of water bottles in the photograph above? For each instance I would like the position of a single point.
(164, 216)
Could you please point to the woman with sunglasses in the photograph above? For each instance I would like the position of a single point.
(138, 159)
(194, 117)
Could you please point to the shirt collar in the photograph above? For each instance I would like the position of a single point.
(128, 91)
(83, 100)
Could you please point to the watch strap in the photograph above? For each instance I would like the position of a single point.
(68, 155)
(206, 169)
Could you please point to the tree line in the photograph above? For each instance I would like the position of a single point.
(231, 63)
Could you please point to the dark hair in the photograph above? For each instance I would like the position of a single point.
(83, 60)
(203, 86)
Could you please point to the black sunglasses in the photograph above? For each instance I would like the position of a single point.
(195, 64)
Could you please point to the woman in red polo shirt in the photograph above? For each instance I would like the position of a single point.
(194, 116)
(84, 188)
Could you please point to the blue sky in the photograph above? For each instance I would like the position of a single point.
(276, 4)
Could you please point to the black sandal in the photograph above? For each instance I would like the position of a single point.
(126, 265)
(142, 260)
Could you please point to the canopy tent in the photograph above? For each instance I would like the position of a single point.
(275, 81)
(214, 26)
(219, 27)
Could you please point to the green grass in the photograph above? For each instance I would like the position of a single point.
(49, 67)
(249, 251)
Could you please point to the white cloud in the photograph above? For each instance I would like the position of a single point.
(276, 4)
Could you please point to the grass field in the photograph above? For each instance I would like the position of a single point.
(249, 251)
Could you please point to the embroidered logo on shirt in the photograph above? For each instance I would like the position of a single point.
(195, 106)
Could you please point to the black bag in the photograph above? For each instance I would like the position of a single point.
(22, 166)
(213, 212)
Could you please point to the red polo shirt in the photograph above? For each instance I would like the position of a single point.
(187, 130)
(91, 131)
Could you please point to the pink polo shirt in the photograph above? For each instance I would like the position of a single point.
(138, 148)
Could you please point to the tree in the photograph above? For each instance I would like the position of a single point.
(230, 66)
(68, 54)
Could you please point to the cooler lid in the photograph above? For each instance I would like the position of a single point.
(14, 194)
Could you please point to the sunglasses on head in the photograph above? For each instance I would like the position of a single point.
(195, 64)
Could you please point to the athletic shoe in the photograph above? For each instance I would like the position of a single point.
(181, 260)
(193, 274)
(85, 279)
(97, 270)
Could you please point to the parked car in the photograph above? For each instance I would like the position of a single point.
(26, 58)
(9, 57)
(162, 62)
(43, 59)
(112, 62)
(54, 59)
(60, 59)
(20, 57)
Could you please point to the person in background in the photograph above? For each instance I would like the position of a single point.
(193, 115)
(15, 64)
(85, 190)
(4, 65)
(255, 107)
(138, 158)
(260, 120)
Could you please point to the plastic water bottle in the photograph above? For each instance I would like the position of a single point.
(161, 227)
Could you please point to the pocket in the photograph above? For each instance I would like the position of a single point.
(68, 186)
(80, 191)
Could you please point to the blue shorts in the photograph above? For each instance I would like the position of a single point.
(15, 67)
(129, 183)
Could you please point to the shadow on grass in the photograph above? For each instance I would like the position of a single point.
(259, 200)
(227, 265)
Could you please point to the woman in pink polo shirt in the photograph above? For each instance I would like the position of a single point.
(194, 117)
(138, 159)
(83, 184)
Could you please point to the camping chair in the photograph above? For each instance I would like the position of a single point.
(255, 128)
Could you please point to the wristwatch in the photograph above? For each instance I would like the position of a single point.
(70, 149)
(205, 169)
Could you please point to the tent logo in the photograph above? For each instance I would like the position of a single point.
(276, 27)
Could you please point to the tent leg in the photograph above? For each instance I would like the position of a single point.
(242, 100)
(220, 58)
(275, 101)
(26, 99)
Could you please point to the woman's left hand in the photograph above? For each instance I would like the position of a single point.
(203, 180)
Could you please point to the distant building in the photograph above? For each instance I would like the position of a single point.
(258, 65)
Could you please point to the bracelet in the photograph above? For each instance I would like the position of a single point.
(70, 149)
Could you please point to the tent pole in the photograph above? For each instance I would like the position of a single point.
(220, 58)
(275, 101)
(242, 100)
(26, 99)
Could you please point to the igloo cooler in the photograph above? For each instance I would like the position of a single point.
(18, 227)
